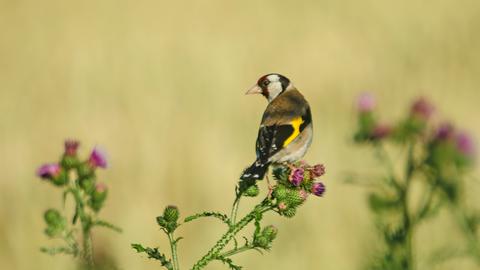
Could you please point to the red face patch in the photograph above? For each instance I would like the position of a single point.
(263, 83)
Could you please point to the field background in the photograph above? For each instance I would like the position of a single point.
(160, 85)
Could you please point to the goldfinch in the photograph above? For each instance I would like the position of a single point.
(286, 128)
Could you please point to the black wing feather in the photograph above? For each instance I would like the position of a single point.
(270, 139)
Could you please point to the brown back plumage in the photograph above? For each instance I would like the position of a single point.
(285, 108)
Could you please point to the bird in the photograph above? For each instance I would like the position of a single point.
(286, 128)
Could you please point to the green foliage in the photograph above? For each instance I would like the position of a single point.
(229, 263)
(437, 158)
(284, 199)
(108, 225)
(79, 183)
(153, 253)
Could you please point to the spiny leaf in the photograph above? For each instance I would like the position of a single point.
(103, 223)
(229, 263)
(153, 253)
(224, 218)
(57, 250)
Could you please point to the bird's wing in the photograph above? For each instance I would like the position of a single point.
(273, 138)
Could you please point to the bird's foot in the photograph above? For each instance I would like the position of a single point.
(270, 187)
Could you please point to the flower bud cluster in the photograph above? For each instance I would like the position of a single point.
(294, 185)
(265, 238)
(56, 223)
(169, 220)
(71, 170)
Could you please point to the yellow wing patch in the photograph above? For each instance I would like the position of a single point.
(296, 130)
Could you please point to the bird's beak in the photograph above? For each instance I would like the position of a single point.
(254, 90)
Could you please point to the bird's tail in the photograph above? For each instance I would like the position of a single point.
(256, 171)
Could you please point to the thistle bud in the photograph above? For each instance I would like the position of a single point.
(280, 192)
(295, 197)
(87, 184)
(265, 238)
(270, 232)
(52, 216)
(69, 158)
(318, 189)
(171, 213)
(169, 219)
(55, 223)
(84, 170)
(251, 191)
(161, 221)
(98, 196)
(261, 242)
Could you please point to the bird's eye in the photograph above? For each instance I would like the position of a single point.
(265, 83)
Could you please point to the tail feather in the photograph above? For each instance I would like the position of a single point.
(256, 171)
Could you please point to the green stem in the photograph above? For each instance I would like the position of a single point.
(173, 246)
(233, 215)
(425, 207)
(409, 226)
(86, 227)
(409, 238)
(87, 249)
(236, 251)
(384, 158)
(232, 231)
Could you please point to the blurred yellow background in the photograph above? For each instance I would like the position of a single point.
(160, 85)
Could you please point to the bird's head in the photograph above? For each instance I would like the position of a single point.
(270, 86)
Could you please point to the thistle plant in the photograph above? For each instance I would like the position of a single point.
(293, 185)
(76, 178)
(430, 154)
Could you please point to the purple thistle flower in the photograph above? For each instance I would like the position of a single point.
(465, 144)
(317, 170)
(98, 158)
(318, 189)
(422, 108)
(296, 176)
(71, 147)
(381, 131)
(444, 132)
(366, 102)
(48, 171)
